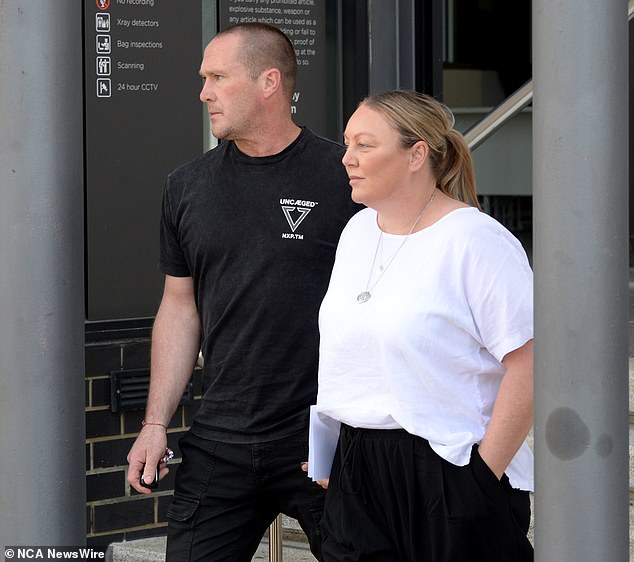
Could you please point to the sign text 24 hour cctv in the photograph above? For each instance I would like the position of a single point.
(127, 87)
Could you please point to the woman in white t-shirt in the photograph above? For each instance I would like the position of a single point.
(426, 354)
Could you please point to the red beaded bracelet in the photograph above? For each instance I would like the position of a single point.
(144, 423)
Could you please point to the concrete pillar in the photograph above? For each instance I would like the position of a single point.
(42, 458)
(580, 169)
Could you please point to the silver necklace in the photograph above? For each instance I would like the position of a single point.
(364, 296)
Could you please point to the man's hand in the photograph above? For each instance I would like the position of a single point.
(145, 456)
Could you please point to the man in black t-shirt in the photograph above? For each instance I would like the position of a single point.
(248, 237)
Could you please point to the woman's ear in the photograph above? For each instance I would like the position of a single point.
(418, 155)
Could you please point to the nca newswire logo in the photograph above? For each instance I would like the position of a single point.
(296, 211)
(54, 553)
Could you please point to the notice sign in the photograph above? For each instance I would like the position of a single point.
(130, 32)
(143, 118)
(304, 23)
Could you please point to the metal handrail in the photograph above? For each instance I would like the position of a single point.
(510, 107)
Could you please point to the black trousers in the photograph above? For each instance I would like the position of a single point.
(392, 498)
(226, 495)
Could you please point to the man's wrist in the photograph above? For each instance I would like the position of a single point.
(145, 423)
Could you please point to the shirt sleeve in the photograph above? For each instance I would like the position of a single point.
(499, 289)
(172, 260)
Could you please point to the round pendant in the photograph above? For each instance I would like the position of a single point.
(363, 297)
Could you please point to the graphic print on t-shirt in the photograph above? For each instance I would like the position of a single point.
(295, 211)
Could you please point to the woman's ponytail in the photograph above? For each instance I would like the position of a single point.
(455, 173)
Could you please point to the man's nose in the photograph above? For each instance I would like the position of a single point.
(206, 93)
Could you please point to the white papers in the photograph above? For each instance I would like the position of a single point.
(322, 444)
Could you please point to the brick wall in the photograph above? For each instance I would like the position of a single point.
(114, 510)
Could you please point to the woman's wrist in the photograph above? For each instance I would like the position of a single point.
(494, 467)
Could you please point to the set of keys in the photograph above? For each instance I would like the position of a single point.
(169, 455)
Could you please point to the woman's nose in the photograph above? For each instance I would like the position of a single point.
(347, 159)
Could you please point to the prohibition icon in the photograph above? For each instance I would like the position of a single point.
(103, 4)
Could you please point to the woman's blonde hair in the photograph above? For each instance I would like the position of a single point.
(419, 117)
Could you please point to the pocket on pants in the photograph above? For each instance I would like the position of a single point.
(485, 477)
(183, 510)
(471, 491)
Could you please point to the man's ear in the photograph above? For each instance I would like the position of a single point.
(418, 155)
(271, 81)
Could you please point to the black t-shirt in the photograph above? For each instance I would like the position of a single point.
(258, 237)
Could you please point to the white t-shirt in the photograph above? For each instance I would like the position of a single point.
(424, 352)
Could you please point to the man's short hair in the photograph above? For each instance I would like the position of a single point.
(264, 46)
